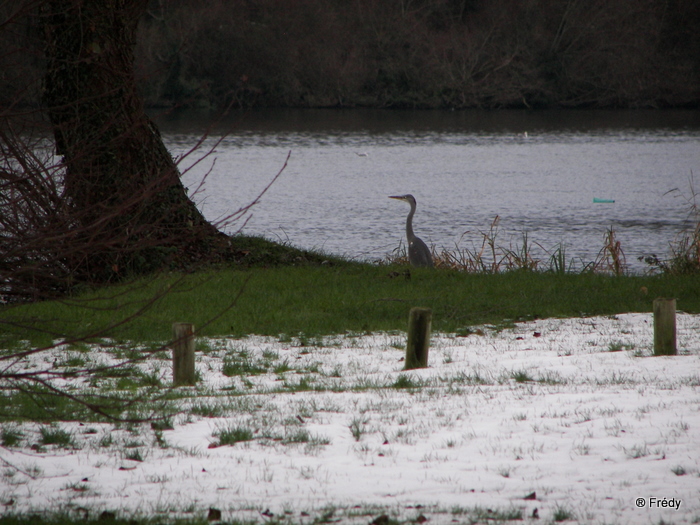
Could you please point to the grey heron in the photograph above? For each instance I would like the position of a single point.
(418, 252)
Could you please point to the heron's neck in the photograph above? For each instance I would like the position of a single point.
(409, 223)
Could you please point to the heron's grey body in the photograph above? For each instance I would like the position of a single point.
(418, 252)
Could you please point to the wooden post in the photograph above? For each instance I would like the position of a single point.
(419, 320)
(183, 354)
(664, 326)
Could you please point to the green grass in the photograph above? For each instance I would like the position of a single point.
(328, 515)
(40, 405)
(358, 427)
(337, 299)
(56, 436)
(484, 515)
(107, 518)
(406, 381)
(233, 435)
(241, 365)
(309, 301)
(10, 436)
(521, 376)
(562, 514)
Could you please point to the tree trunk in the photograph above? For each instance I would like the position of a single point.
(122, 185)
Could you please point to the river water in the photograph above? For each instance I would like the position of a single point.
(539, 172)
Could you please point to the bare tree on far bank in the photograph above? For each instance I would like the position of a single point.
(422, 53)
(403, 53)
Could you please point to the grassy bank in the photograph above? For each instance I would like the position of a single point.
(302, 395)
(335, 299)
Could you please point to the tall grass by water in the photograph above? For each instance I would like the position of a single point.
(493, 256)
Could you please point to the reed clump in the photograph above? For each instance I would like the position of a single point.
(685, 250)
(611, 258)
(491, 256)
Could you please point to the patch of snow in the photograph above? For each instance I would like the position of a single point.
(549, 416)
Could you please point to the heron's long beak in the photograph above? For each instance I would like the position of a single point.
(398, 197)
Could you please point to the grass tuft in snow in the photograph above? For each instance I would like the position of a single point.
(562, 514)
(134, 455)
(521, 376)
(637, 451)
(358, 426)
(240, 364)
(487, 515)
(304, 436)
(406, 381)
(233, 435)
(678, 470)
(10, 436)
(56, 436)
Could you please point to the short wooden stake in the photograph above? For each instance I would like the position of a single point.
(183, 354)
(419, 321)
(664, 326)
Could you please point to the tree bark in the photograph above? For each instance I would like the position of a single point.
(121, 183)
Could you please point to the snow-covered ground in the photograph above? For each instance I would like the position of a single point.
(552, 419)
